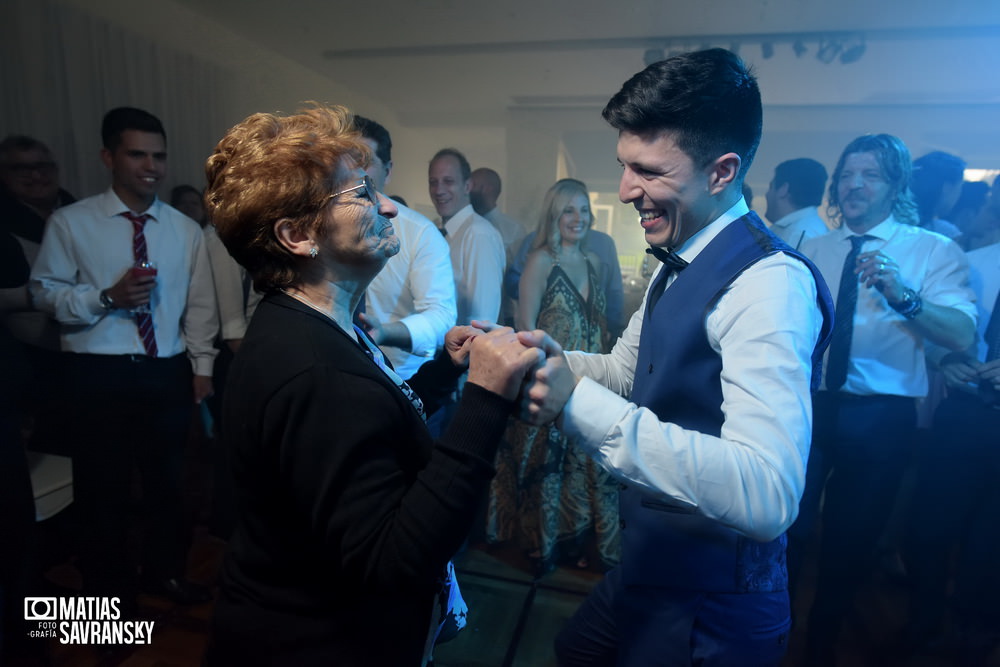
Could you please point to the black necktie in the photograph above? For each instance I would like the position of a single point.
(987, 391)
(843, 326)
(672, 263)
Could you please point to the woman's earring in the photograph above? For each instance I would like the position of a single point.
(313, 252)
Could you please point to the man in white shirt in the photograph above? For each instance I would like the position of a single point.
(410, 305)
(477, 249)
(699, 409)
(962, 478)
(486, 186)
(896, 285)
(793, 198)
(142, 353)
(484, 192)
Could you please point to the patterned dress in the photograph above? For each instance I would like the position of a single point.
(547, 494)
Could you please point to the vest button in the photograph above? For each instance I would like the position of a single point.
(624, 487)
(650, 367)
(621, 524)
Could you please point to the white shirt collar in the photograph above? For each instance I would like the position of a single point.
(694, 245)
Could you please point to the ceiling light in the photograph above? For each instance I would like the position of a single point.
(799, 48)
(854, 48)
(828, 50)
(767, 50)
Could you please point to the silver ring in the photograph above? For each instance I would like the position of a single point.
(881, 267)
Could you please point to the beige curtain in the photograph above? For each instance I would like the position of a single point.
(61, 69)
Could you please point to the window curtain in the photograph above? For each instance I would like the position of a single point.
(62, 69)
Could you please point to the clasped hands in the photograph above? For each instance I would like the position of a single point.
(959, 368)
(527, 366)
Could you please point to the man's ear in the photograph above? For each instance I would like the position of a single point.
(295, 239)
(106, 157)
(782, 192)
(722, 172)
(388, 172)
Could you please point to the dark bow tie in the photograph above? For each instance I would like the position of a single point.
(670, 259)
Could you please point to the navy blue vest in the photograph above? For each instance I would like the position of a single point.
(677, 376)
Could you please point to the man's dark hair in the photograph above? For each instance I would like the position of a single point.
(806, 179)
(463, 164)
(369, 129)
(708, 100)
(931, 173)
(120, 119)
(893, 159)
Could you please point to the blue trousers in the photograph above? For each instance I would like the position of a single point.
(639, 626)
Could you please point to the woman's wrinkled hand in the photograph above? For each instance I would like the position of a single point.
(499, 362)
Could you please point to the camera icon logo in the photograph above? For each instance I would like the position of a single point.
(40, 609)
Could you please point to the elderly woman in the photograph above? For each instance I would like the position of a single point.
(348, 511)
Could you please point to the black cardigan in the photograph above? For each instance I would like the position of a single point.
(348, 511)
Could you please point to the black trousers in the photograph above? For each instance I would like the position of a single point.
(131, 413)
(860, 447)
(957, 506)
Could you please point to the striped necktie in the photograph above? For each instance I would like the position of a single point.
(143, 320)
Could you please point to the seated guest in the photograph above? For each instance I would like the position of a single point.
(348, 511)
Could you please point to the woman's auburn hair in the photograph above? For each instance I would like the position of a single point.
(268, 168)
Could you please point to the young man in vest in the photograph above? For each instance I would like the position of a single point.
(702, 408)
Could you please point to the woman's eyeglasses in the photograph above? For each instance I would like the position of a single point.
(369, 190)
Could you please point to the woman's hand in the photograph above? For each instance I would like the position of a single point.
(457, 340)
(498, 362)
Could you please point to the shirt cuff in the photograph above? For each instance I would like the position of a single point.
(591, 413)
(94, 305)
(202, 365)
(423, 338)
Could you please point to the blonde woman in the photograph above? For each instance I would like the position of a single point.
(547, 495)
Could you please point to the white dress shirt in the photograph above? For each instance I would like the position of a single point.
(984, 272)
(88, 247)
(478, 260)
(510, 230)
(416, 287)
(235, 307)
(750, 478)
(887, 353)
(799, 226)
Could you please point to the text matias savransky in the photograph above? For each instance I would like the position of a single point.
(84, 620)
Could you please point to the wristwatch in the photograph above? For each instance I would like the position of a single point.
(106, 301)
(910, 306)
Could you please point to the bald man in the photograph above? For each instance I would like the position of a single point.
(484, 193)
